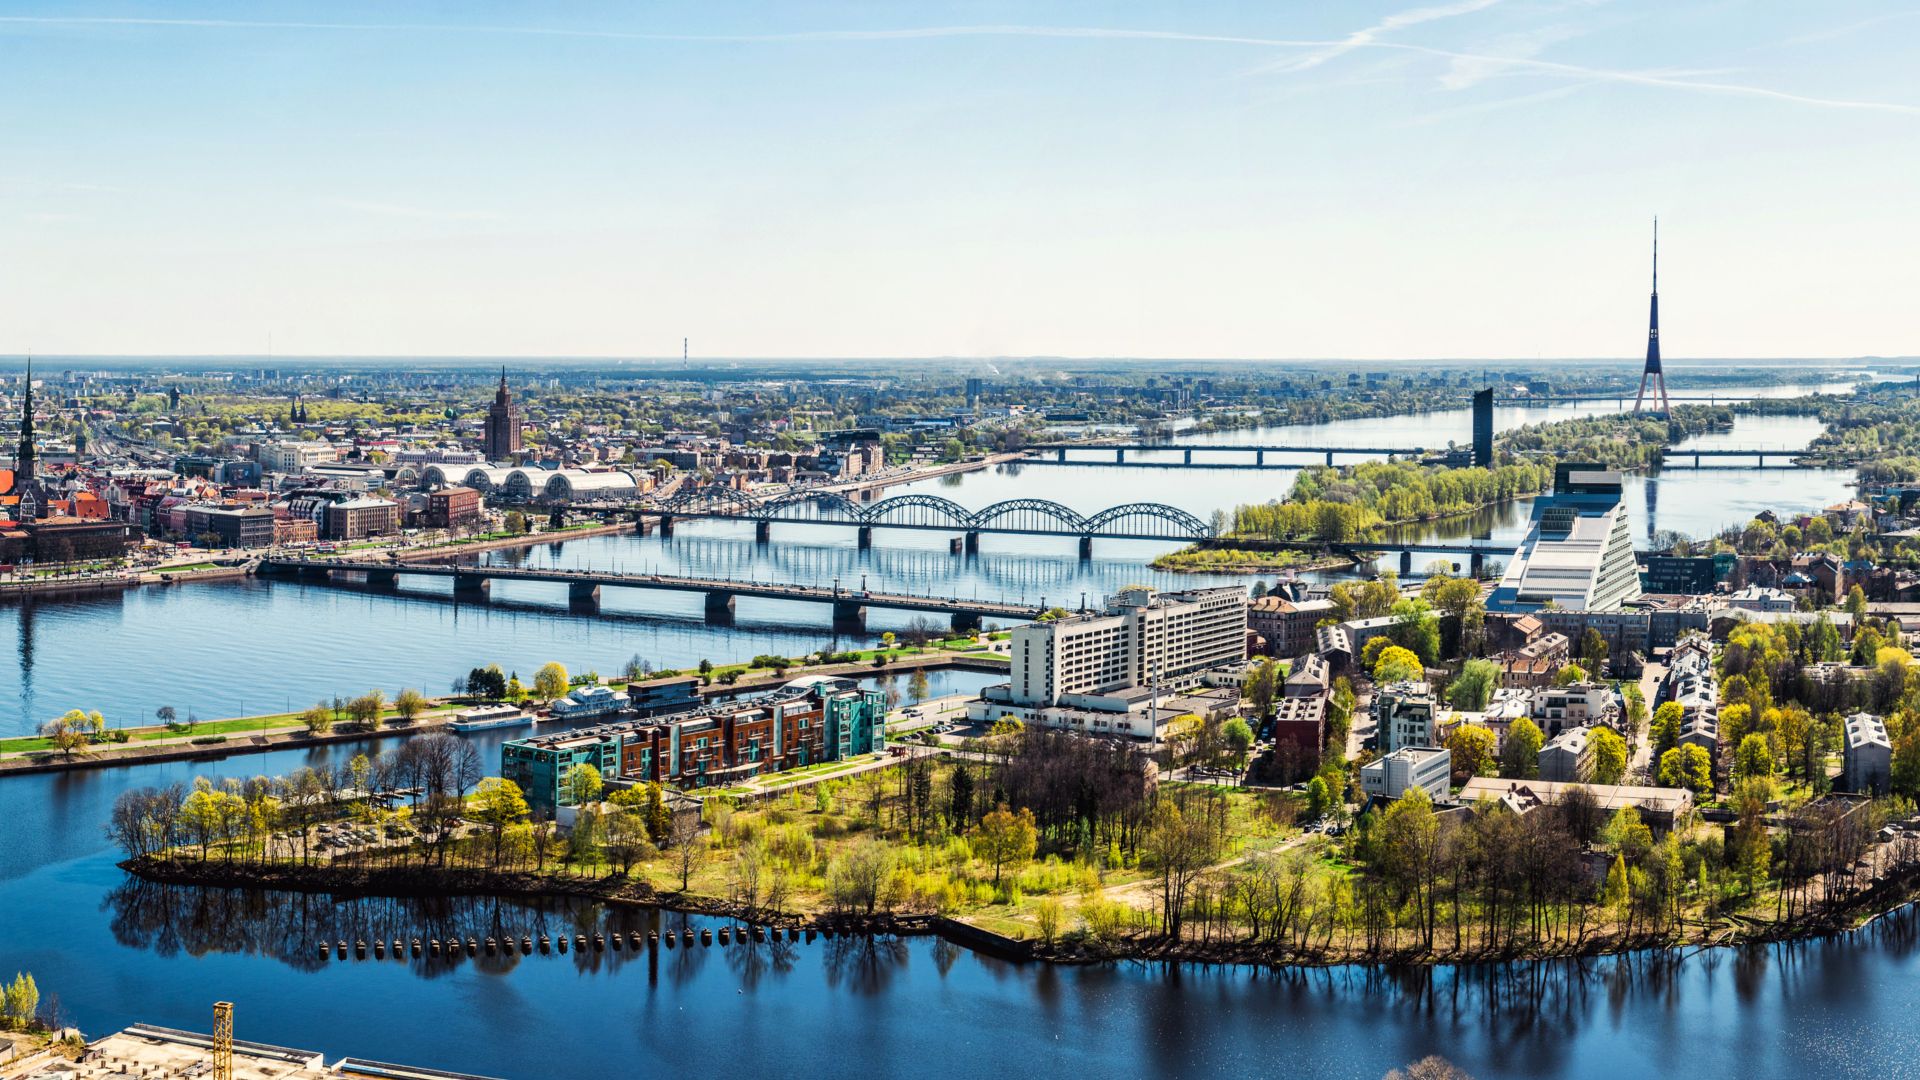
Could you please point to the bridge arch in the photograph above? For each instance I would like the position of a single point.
(713, 498)
(1029, 514)
(810, 506)
(1148, 519)
(921, 510)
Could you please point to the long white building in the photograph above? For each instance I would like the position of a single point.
(1110, 671)
(1578, 554)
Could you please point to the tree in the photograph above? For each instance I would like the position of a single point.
(1753, 759)
(166, 714)
(1398, 664)
(550, 681)
(1688, 767)
(1416, 628)
(581, 784)
(1431, 1067)
(1474, 686)
(365, 709)
(1857, 602)
(1472, 748)
(1520, 755)
(960, 797)
(1593, 650)
(1317, 798)
(1238, 737)
(1666, 727)
(628, 841)
(22, 1000)
(1005, 838)
(409, 703)
(68, 733)
(682, 831)
(487, 682)
(1609, 756)
(1263, 685)
(498, 803)
(1569, 675)
(317, 719)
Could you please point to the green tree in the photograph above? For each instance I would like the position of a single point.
(1472, 748)
(1609, 756)
(581, 784)
(1569, 675)
(1317, 799)
(1474, 686)
(68, 733)
(409, 704)
(1689, 767)
(1593, 650)
(365, 709)
(1520, 754)
(1857, 602)
(497, 804)
(1416, 628)
(1005, 839)
(1753, 759)
(317, 720)
(550, 681)
(22, 1000)
(1238, 737)
(1666, 727)
(1263, 686)
(1398, 664)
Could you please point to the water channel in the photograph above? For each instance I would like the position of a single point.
(116, 953)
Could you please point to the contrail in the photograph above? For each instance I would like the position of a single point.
(1544, 67)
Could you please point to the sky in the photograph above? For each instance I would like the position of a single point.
(1261, 180)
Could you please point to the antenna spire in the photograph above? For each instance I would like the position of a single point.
(1656, 254)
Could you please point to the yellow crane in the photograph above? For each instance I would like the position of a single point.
(223, 1040)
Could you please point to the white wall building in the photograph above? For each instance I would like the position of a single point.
(1426, 767)
(1578, 553)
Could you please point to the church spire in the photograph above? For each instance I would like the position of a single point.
(23, 460)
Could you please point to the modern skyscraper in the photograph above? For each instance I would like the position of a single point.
(503, 424)
(1483, 428)
(1652, 370)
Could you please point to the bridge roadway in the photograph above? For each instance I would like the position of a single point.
(1037, 454)
(472, 582)
(1671, 458)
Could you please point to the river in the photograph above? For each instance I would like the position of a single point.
(116, 953)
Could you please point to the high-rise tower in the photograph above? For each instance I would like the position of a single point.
(1652, 370)
(503, 424)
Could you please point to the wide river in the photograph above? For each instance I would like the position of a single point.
(116, 953)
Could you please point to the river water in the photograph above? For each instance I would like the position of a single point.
(116, 953)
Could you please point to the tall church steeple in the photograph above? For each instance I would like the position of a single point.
(23, 461)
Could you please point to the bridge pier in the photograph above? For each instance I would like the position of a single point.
(1406, 563)
(1329, 459)
(965, 622)
(1060, 455)
(1259, 457)
(383, 579)
(762, 532)
(956, 545)
(1187, 457)
(317, 570)
(973, 542)
(849, 615)
(1478, 564)
(583, 596)
(471, 587)
(1086, 548)
(666, 524)
(1119, 457)
(1696, 461)
(863, 537)
(720, 608)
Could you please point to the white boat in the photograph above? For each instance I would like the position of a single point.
(490, 716)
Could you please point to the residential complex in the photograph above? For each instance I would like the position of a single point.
(808, 721)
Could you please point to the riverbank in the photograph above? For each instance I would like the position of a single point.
(1073, 947)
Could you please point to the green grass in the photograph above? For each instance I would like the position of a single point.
(189, 567)
(239, 725)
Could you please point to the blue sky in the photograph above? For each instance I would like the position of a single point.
(1456, 178)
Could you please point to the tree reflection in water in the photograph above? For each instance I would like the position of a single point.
(865, 965)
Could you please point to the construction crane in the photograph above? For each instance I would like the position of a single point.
(223, 1040)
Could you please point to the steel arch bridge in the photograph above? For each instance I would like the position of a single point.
(1041, 517)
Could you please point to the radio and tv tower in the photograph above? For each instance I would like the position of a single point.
(1652, 370)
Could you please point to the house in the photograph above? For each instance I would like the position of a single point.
(1568, 757)
(1867, 757)
(1403, 715)
(1309, 676)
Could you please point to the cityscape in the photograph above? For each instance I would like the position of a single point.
(453, 674)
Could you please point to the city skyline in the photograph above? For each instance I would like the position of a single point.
(976, 181)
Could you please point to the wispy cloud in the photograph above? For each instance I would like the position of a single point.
(1366, 36)
(1489, 63)
(419, 213)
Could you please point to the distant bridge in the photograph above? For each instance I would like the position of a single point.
(1024, 517)
(1238, 460)
(583, 589)
(1783, 457)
